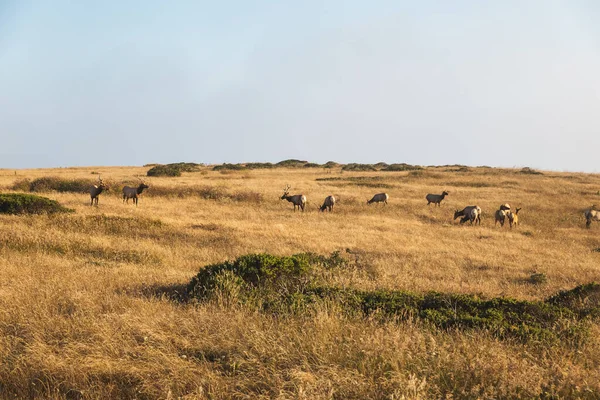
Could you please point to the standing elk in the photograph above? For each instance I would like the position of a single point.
(591, 215)
(500, 216)
(469, 213)
(96, 190)
(132, 193)
(436, 198)
(378, 198)
(328, 204)
(298, 200)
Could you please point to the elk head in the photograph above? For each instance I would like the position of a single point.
(286, 192)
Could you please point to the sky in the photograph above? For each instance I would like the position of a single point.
(501, 83)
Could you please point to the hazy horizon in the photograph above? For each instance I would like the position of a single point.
(506, 84)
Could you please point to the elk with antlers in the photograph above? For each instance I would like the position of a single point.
(96, 190)
(133, 192)
(298, 200)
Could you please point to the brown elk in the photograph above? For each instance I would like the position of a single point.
(328, 204)
(379, 198)
(96, 190)
(132, 193)
(591, 215)
(298, 200)
(436, 198)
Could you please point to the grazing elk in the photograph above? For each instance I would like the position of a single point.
(96, 190)
(436, 198)
(132, 193)
(513, 217)
(469, 213)
(591, 215)
(379, 198)
(298, 200)
(328, 204)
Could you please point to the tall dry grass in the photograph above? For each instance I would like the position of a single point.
(90, 302)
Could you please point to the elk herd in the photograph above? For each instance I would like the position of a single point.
(472, 213)
(128, 192)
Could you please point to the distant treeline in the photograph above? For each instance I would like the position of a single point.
(292, 163)
(176, 169)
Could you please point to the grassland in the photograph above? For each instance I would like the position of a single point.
(92, 303)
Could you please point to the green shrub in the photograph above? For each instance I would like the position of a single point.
(173, 169)
(331, 164)
(50, 183)
(293, 284)
(265, 272)
(17, 203)
(267, 165)
(312, 165)
(291, 163)
(228, 167)
(402, 167)
(358, 167)
(584, 299)
(164, 170)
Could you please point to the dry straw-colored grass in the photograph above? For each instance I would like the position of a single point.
(88, 301)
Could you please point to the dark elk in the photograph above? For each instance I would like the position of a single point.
(133, 193)
(96, 190)
(298, 200)
(435, 198)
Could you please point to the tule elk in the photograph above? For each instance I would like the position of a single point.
(379, 198)
(436, 198)
(132, 193)
(591, 215)
(96, 190)
(298, 200)
(328, 204)
(469, 213)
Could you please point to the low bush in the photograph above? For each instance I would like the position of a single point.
(173, 169)
(256, 165)
(293, 284)
(291, 163)
(17, 203)
(228, 167)
(51, 183)
(358, 167)
(164, 170)
(402, 167)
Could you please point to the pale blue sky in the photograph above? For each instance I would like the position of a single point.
(500, 83)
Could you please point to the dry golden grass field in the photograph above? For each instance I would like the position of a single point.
(93, 304)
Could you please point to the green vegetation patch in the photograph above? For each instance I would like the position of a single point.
(358, 167)
(402, 167)
(174, 169)
(284, 285)
(52, 183)
(17, 203)
(292, 163)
